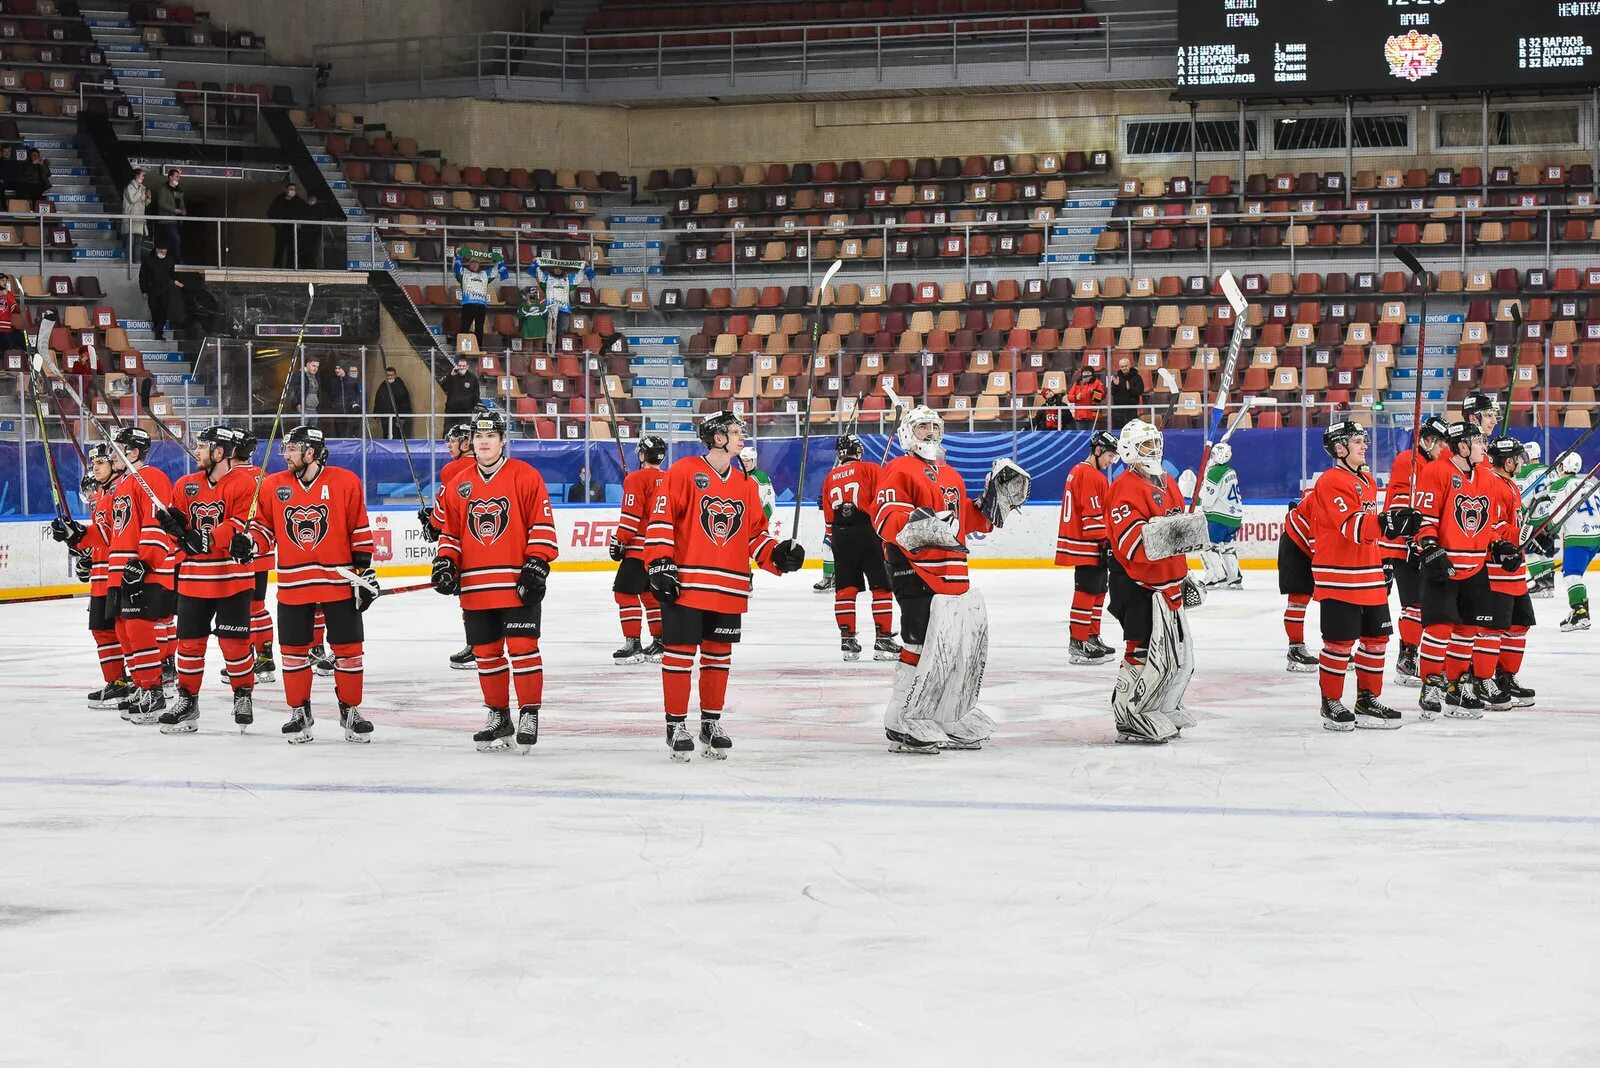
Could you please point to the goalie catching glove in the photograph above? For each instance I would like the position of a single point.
(1174, 535)
(1004, 491)
(928, 530)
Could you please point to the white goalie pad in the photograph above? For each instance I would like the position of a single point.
(1172, 651)
(1173, 535)
(1005, 491)
(927, 529)
(1146, 698)
(943, 686)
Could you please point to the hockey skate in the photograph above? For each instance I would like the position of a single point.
(1431, 699)
(679, 743)
(1405, 666)
(1180, 718)
(528, 727)
(1519, 695)
(714, 741)
(1082, 652)
(884, 647)
(465, 660)
(321, 661)
(297, 728)
(112, 694)
(653, 652)
(169, 676)
(183, 716)
(630, 653)
(1235, 583)
(1578, 618)
(849, 647)
(1493, 697)
(244, 709)
(1543, 586)
(146, 707)
(901, 742)
(823, 585)
(1336, 716)
(1095, 642)
(1300, 660)
(357, 728)
(266, 669)
(922, 736)
(1461, 699)
(496, 733)
(1373, 714)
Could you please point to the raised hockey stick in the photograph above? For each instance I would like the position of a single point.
(896, 404)
(611, 413)
(1404, 255)
(811, 388)
(296, 359)
(58, 494)
(1230, 366)
(1565, 507)
(1516, 361)
(1563, 454)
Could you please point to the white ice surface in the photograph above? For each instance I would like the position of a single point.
(1259, 892)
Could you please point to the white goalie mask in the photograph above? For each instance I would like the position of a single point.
(1221, 452)
(926, 448)
(1139, 446)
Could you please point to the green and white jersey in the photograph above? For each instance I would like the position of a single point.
(769, 496)
(1581, 529)
(1535, 505)
(1220, 498)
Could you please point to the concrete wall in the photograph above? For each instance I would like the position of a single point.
(293, 27)
(492, 133)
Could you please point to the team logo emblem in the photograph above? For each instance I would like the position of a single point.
(205, 515)
(464, 490)
(702, 481)
(307, 524)
(488, 519)
(952, 497)
(121, 512)
(191, 489)
(283, 493)
(1455, 482)
(1414, 56)
(720, 518)
(1471, 513)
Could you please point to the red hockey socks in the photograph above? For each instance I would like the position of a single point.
(1512, 646)
(347, 672)
(883, 612)
(166, 637)
(652, 613)
(494, 674)
(677, 665)
(1411, 625)
(844, 608)
(1459, 659)
(1369, 664)
(1133, 653)
(260, 628)
(1294, 618)
(1099, 607)
(715, 660)
(1332, 664)
(631, 613)
(527, 670)
(109, 650)
(1433, 648)
(1486, 653)
(191, 660)
(240, 661)
(140, 651)
(1082, 617)
(296, 675)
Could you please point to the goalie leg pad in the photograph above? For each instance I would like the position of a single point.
(1230, 562)
(1133, 705)
(1172, 651)
(1215, 571)
(942, 687)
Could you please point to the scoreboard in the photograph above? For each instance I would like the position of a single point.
(1287, 48)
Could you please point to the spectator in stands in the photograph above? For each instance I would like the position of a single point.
(158, 281)
(1048, 410)
(288, 209)
(1127, 393)
(355, 402)
(532, 319)
(1087, 396)
(311, 236)
(392, 402)
(475, 282)
(12, 160)
(461, 389)
(36, 177)
(308, 390)
(170, 208)
(586, 490)
(556, 276)
(335, 404)
(11, 336)
(135, 202)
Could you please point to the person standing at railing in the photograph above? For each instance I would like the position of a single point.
(475, 282)
(170, 208)
(288, 209)
(1127, 393)
(1086, 396)
(462, 390)
(391, 402)
(135, 202)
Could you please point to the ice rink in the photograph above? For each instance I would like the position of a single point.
(1260, 891)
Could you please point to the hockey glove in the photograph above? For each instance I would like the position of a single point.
(1507, 555)
(1543, 544)
(1399, 522)
(1105, 554)
(664, 579)
(1173, 535)
(82, 566)
(365, 594)
(241, 550)
(446, 579)
(788, 556)
(1193, 594)
(67, 531)
(614, 547)
(1004, 491)
(173, 522)
(195, 541)
(134, 572)
(430, 533)
(844, 512)
(1434, 561)
(531, 581)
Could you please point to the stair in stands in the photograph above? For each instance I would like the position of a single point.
(73, 189)
(1438, 367)
(361, 253)
(1079, 223)
(568, 17)
(637, 242)
(660, 383)
(113, 30)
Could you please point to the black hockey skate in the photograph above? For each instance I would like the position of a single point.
(823, 584)
(1405, 666)
(1336, 716)
(321, 661)
(297, 728)
(1300, 660)
(1431, 699)
(1082, 652)
(1544, 586)
(357, 728)
(630, 653)
(1493, 697)
(465, 660)
(169, 676)
(244, 709)
(1461, 699)
(497, 731)
(849, 647)
(528, 727)
(678, 740)
(1095, 642)
(714, 741)
(654, 651)
(1373, 714)
(182, 716)
(112, 694)
(1578, 618)
(901, 742)
(1520, 695)
(266, 669)
(146, 707)
(884, 647)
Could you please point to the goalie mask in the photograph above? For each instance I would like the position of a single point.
(1139, 446)
(1221, 453)
(925, 448)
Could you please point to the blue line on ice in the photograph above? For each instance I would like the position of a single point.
(531, 793)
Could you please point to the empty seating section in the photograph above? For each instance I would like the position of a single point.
(85, 323)
(44, 55)
(179, 26)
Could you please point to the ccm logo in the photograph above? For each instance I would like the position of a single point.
(592, 535)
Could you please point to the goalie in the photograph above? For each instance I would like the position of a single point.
(1151, 535)
(924, 516)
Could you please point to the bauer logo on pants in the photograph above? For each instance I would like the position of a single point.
(307, 523)
(1471, 513)
(488, 519)
(720, 518)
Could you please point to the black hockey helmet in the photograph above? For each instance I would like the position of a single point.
(1102, 441)
(652, 449)
(490, 421)
(244, 450)
(1505, 448)
(1339, 432)
(461, 432)
(98, 450)
(1462, 433)
(720, 423)
(308, 437)
(848, 448)
(132, 437)
(1478, 402)
(222, 436)
(1434, 427)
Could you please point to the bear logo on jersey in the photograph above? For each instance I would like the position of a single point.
(720, 518)
(205, 515)
(952, 497)
(121, 512)
(1471, 514)
(488, 519)
(307, 523)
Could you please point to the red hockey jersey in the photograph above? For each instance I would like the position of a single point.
(855, 484)
(97, 540)
(223, 509)
(1083, 516)
(1457, 509)
(263, 561)
(1346, 561)
(1398, 495)
(639, 491)
(134, 530)
(1300, 523)
(447, 476)
(493, 524)
(1135, 500)
(1507, 505)
(909, 483)
(314, 527)
(711, 526)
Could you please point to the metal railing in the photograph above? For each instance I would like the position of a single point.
(208, 99)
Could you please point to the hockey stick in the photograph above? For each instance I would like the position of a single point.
(1219, 409)
(1516, 361)
(1169, 382)
(811, 388)
(58, 493)
(896, 403)
(1415, 267)
(1562, 455)
(1563, 510)
(297, 357)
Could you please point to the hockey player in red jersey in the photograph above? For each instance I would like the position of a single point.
(1397, 552)
(314, 515)
(925, 517)
(1497, 654)
(848, 499)
(1458, 533)
(261, 633)
(706, 526)
(458, 445)
(497, 539)
(1151, 534)
(208, 518)
(90, 549)
(1351, 589)
(636, 605)
(1082, 544)
(1295, 546)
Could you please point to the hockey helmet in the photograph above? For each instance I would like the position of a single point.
(747, 456)
(1506, 448)
(1101, 441)
(1434, 427)
(1139, 446)
(1221, 452)
(489, 421)
(220, 435)
(1339, 432)
(244, 450)
(1463, 433)
(926, 448)
(1532, 451)
(461, 433)
(1477, 402)
(720, 423)
(132, 437)
(1570, 464)
(97, 451)
(653, 449)
(848, 448)
(308, 437)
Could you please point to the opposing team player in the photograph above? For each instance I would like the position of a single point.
(1534, 486)
(1398, 554)
(1223, 506)
(1578, 498)
(90, 555)
(1083, 545)
(636, 605)
(849, 495)
(497, 538)
(1351, 590)
(1151, 535)
(1296, 543)
(1497, 654)
(925, 517)
(769, 496)
(706, 526)
(458, 444)
(314, 516)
